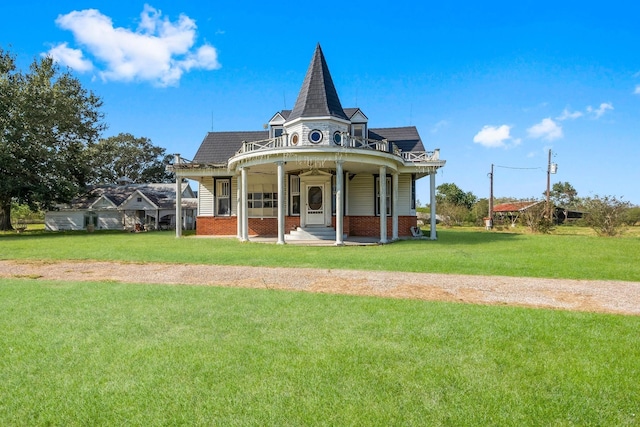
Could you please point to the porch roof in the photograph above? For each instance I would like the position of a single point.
(218, 147)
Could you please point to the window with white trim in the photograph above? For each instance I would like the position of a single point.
(262, 200)
(294, 194)
(388, 195)
(223, 197)
(357, 131)
(413, 191)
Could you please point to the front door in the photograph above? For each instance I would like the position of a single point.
(315, 205)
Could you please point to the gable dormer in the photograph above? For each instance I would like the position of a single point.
(359, 123)
(276, 124)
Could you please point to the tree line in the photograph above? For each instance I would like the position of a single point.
(607, 215)
(51, 147)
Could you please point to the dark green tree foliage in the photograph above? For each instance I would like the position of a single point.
(452, 194)
(46, 120)
(563, 194)
(453, 204)
(124, 155)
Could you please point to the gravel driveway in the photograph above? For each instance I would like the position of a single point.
(604, 296)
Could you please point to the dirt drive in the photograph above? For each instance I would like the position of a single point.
(602, 296)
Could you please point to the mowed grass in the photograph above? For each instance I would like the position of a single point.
(126, 354)
(459, 251)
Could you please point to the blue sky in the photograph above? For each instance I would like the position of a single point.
(486, 82)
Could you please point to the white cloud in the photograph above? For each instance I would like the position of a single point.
(547, 129)
(566, 114)
(73, 58)
(442, 124)
(637, 91)
(159, 51)
(598, 112)
(494, 136)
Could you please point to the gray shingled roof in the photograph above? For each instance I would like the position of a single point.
(318, 96)
(350, 112)
(162, 195)
(218, 147)
(406, 138)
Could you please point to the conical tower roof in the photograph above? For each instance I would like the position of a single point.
(318, 96)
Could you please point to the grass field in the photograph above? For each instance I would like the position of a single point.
(108, 353)
(121, 354)
(460, 251)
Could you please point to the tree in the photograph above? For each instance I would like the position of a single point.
(124, 155)
(606, 215)
(46, 120)
(632, 216)
(563, 194)
(454, 204)
(451, 193)
(480, 211)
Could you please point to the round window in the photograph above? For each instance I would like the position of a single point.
(337, 138)
(315, 136)
(294, 139)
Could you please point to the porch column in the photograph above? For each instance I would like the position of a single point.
(157, 219)
(394, 210)
(280, 203)
(432, 204)
(176, 161)
(383, 204)
(339, 204)
(245, 210)
(239, 207)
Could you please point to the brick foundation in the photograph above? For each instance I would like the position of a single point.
(364, 226)
(369, 226)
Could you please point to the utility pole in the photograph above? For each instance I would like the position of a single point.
(548, 207)
(551, 168)
(489, 225)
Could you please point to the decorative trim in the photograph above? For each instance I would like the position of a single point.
(315, 136)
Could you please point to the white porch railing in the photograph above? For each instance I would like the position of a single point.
(421, 156)
(347, 142)
(264, 144)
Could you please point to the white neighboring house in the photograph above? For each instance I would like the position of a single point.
(125, 207)
(318, 170)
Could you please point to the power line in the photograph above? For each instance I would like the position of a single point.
(511, 167)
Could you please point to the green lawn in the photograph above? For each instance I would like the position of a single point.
(125, 354)
(108, 353)
(461, 251)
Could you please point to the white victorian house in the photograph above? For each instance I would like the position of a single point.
(318, 170)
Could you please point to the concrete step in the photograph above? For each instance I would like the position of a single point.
(312, 233)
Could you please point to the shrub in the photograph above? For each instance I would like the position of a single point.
(606, 215)
(536, 219)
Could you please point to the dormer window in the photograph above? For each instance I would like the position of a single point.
(276, 131)
(357, 130)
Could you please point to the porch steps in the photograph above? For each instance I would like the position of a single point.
(312, 233)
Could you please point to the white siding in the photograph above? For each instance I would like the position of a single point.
(137, 202)
(404, 195)
(103, 204)
(361, 195)
(234, 196)
(109, 220)
(205, 196)
(58, 221)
